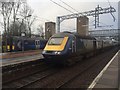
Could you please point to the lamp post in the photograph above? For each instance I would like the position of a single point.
(22, 34)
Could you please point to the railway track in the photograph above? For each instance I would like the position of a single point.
(84, 78)
(14, 72)
(80, 75)
(30, 79)
(68, 75)
(14, 67)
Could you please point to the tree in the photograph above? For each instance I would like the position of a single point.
(27, 16)
(16, 9)
(40, 31)
(17, 28)
(6, 11)
(11, 11)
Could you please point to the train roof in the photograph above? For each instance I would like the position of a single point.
(28, 38)
(63, 34)
(84, 37)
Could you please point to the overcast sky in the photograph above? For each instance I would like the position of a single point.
(46, 10)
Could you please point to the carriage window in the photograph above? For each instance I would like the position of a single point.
(38, 42)
(55, 41)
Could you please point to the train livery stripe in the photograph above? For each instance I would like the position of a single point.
(57, 47)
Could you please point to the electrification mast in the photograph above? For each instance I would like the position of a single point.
(95, 13)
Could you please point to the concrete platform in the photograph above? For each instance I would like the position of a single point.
(20, 57)
(9, 55)
(109, 76)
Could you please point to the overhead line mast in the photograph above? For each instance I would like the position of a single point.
(95, 13)
(111, 12)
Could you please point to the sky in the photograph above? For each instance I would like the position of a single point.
(46, 11)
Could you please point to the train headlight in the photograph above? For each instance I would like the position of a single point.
(56, 52)
(43, 51)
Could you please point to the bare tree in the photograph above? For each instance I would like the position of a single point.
(17, 26)
(6, 11)
(16, 8)
(11, 11)
(40, 31)
(28, 17)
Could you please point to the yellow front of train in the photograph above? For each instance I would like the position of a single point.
(55, 47)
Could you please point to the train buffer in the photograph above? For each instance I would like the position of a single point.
(19, 57)
(108, 77)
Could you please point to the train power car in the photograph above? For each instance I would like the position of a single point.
(65, 45)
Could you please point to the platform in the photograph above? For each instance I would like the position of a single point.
(19, 57)
(9, 55)
(108, 77)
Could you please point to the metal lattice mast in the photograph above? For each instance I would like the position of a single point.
(95, 13)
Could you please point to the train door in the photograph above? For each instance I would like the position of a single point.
(94, 44)
(74, 45)
(37, 44)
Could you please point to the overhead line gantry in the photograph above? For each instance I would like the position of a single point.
(95, 13)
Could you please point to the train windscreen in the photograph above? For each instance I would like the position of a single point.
(55, 41)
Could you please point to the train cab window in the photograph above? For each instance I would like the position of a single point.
(55, 41)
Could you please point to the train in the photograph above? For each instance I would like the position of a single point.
(64, 45)
(17, 43)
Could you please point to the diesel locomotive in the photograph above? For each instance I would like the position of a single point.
(65, 45)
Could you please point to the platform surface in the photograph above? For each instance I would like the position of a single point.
(108, 77)
(19, 57)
